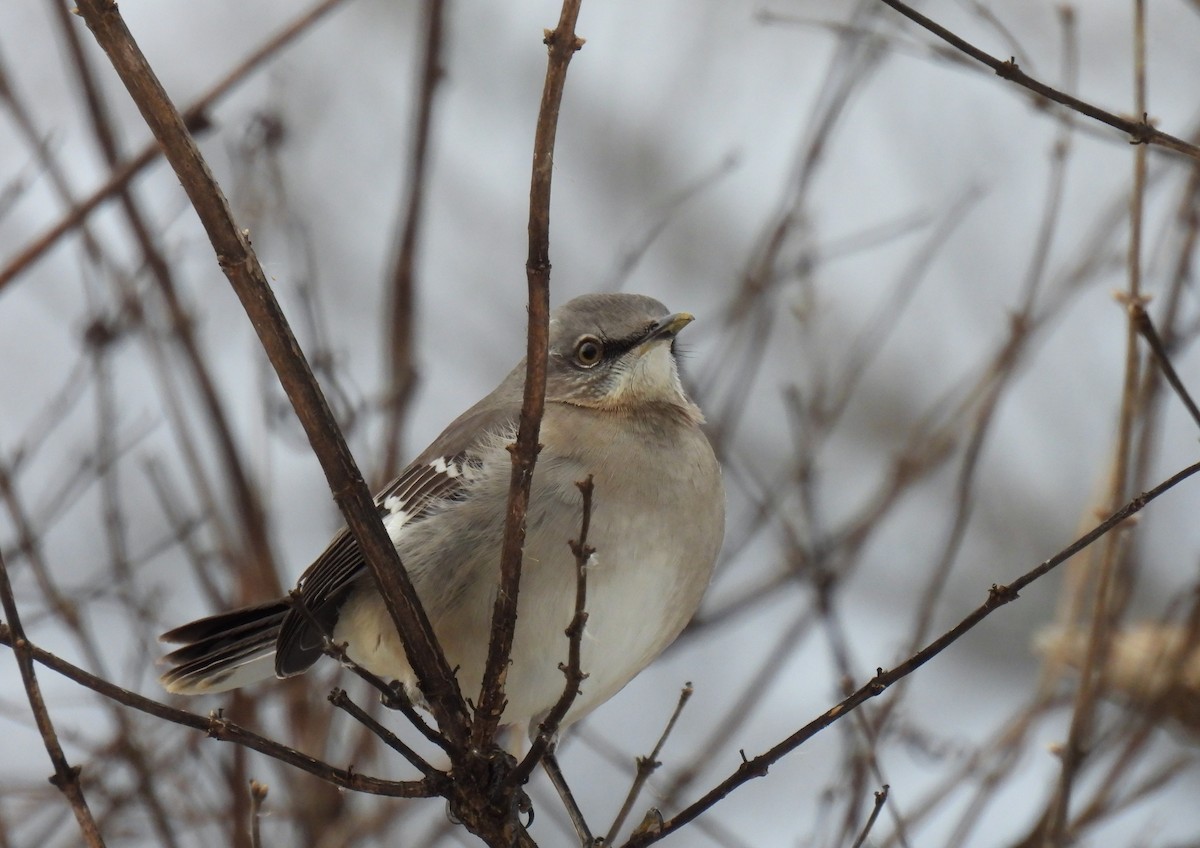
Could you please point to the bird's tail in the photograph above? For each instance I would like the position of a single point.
(224, 651)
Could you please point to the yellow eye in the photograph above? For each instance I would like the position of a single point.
(588, 351)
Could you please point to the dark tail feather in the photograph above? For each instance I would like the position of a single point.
(224, 651)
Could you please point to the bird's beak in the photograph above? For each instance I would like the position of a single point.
(669, 327)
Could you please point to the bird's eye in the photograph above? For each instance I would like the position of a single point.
(588, 351)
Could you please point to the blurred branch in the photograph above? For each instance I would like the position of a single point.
(1139, 132)
(240, 265)
(399, 330)
(1145, 328)
(1108, 599)
(880, 800)
(998, 596)
(561, 43)
(254, 555)
(196, 118)
(258, 794)
(66, 778)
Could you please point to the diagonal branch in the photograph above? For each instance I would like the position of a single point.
(998, 596)
(246, 276)
(341, 700)
(1139, 132)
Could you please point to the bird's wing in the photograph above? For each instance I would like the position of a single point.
(440, 475)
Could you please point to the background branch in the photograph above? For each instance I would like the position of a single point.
(241, 267)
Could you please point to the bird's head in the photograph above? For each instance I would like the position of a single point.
(615, 352)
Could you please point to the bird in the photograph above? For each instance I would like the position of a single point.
(616, 410)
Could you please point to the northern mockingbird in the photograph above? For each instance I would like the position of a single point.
(615, 409)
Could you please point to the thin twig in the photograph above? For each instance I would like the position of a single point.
(258, 794)
(399, 330)
(562, 43)
(1140, 132)
(647, 765)
(392, 697)
(1145, 328)
(1106, 600)
(998, 596)
(558, 779)
(341, 700)
(880, 799)
(255, 558)
(548, 728)
(196, 117)
(66, 777)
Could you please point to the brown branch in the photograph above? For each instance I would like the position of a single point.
(646, 766)
(548, 728)
(66, 777)
(1146, 330)
(246, 276)
(255, 558)
(561, 43)
(392, 697)
(341, 700)
(399, 329)
(880, 800)
(196, 117)
(223, 730)
(1139, 132)
(1108, 600)
(998, 596)
(258, 794)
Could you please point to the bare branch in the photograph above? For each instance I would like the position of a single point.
(562, 43)
(258, 794)
(647, 765)
(1139, 132)
(880, 799)
(341, 700)
(1145, 328)
(548, 728)
(998, 596)
(241, 266)
(401, 317)
(195, 116)
(217, 727)
(66, 777)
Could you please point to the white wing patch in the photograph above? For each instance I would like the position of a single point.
(421, 487)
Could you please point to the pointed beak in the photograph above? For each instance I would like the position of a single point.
(669, 327)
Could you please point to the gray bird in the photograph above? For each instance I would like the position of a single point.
(615, 409)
